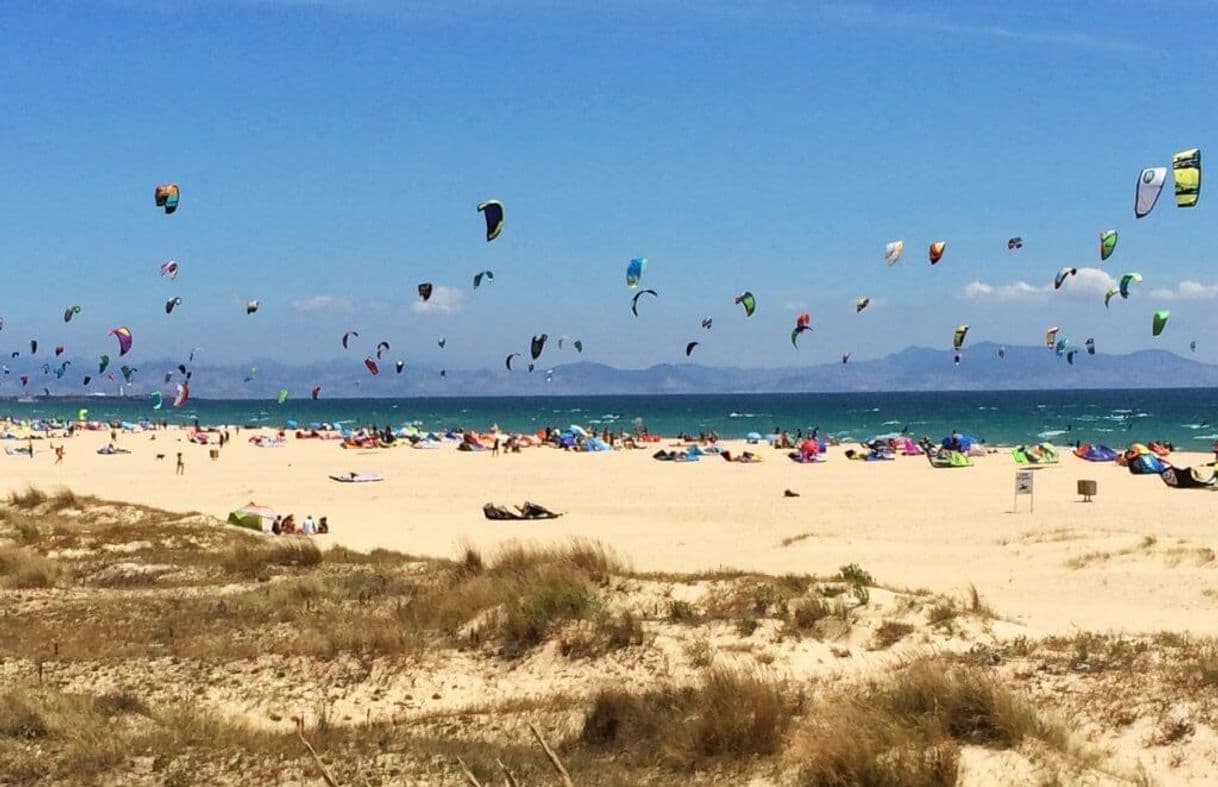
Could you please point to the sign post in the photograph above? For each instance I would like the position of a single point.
(1023, 486)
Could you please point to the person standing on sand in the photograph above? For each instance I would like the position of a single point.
(495, 447)
(58, 454)
(31, 447)
(181, 469)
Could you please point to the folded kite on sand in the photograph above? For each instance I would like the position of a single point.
(357, 478)
(526, 511)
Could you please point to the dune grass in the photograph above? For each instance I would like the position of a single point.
(22, 568)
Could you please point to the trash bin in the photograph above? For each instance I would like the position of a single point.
(1087, 489)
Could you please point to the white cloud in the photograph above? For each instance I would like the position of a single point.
(1186, 291)
(1088, 281)
(322, 303)
(443, 300)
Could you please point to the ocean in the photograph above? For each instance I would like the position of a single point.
(1186, 417)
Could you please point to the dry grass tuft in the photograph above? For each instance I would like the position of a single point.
(32, 497)
(254, 558)
(24, 568)
(889, 633)
(733, 713)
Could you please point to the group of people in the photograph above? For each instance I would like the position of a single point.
(286, 526)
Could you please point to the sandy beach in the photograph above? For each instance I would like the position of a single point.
(1139, 558)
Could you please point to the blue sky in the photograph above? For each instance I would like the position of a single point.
(331, 154)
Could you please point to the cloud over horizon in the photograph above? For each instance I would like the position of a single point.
(443, 300)
(1088, 281)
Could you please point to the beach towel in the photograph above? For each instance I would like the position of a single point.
(357, 478)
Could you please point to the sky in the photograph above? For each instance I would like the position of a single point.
(331, 154)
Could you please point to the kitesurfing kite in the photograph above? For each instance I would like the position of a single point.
(1108, 295)
(689, 348)
(441, 342)
(845, 357)
(70, 312)
(1159, 322)
(170, 269)
(1014, 243)
(1090, 345)
(1108, 241)
(634, 271)
(33, 346)
(347, 337)
(381, 349)
(936, 251)
(58, 350)
(1126, 280)
(578, 344)
(62, 369)
(399, 366)
(123, 334)
(802, 323)
(478, 277)
(1051, 336)
(102, 363)
(634, 302)
(537, 345)
(1059, 349)
(167, 196)
(1061, 277)
(157, 400)
(372, 367)
(1186, 167)
(282, 397)
(128, 371)
(861, 304)
(252, 306)
(84, 382)
(749, 303)
(707, 322)
(171, 303)
(492, 211)
(1192, 346)
(958, 336)
(893, 251)
(315, 393)
(1150, 183)
(425, 290)
(182, 396)
(1070, 356)
(1002, 352)
(508, 360)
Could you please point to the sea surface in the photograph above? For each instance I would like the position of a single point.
(1187, 417)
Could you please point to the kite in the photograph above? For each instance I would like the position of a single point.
(102, 363)
(1108, 295)
(893, 251)
(192, 354)
(707, 322)
(171, 303)
(492, 211)
(861, 304)
(1059, 349)
(956, 358)
(181, 368)
(127, 372)
(1061, 277)
(1108, 241)
(372, 367)
(508, 361)
(634, 271)
(168, 376)
(1090, 345)
(578, 345)
(1070, 357)
(845, 357)
(1002, 352)
(489, 275)
(749, 303)
(1126, 280)
(33, 346)
(62, 369)
(46, 368)
(1159, 322)
(1015, 243)
(157, 400)
(253, 373)
(1051, 336)
(1150, 183)
(282, 397)
(14, 354)
(381, 349)
(86, 381)
(58, 350)
(170, 269)
(936, 251)
(82, 414)
(167, 196)
(1186, 167)
(537, 345)
(399, 366)
(182, 396)
(634, 302)
(1192, 346)
(443, 373)
(958, 337)
(25, 380)
(802, 323)
(689, 348)
(252, 306)
(425, 290)
(123, 334)
(70, 312)
(441, 342)
(316, 392)
(347, 337)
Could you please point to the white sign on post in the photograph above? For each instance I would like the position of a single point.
(1023, 486)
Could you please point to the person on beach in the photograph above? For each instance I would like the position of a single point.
(323, 525)
(309, 527)
(181, 468)
(495, 447)
(277, 526)
(58, 454)
(31, 447)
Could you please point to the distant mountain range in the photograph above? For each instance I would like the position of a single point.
(912, 369)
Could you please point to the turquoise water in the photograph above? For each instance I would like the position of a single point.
(1186, 417)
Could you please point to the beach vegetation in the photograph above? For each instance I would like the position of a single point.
(253, 558)
(889, 633)
(23, 568)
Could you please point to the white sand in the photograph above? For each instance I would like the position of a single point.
(906, 523)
